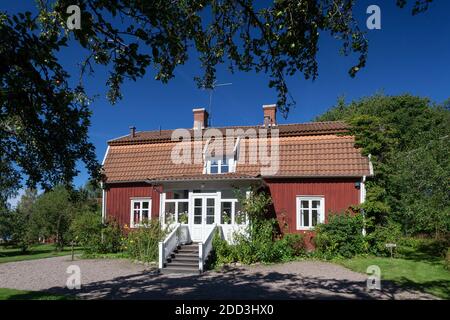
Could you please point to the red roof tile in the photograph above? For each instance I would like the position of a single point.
(305, 150)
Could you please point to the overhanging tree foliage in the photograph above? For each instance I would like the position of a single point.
(44, 121)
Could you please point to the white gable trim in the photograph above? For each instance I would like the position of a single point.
(106, 154)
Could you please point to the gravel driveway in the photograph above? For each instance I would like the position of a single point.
(122, 279)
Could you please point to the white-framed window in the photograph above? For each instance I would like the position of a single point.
(230, 208)
(141, 209)
(176, 206)
(221, 165)
(310, 211)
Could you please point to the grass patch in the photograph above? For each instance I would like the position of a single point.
(13, 294)
(426, 276)
(36, 252)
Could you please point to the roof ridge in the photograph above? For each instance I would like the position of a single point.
(231, 127)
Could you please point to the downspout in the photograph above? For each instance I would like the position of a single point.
(102, 185)
(103, 203)
(362, 199)
(363, 194)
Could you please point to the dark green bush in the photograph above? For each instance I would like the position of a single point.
(391, 233)
(259, 245)
(111, 238)
(290, 246)
(223, 252)
(89, 232)
(424, 248)
(341, 236)
(261, 241)
(86, 229)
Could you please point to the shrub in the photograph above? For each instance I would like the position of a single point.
(341, 236)
(88, 231)
(391, 233)
(260, 242)
(291, 245)
(111, 238)
(262, 246)
(223, 252)
(424, 247)
(142, 243)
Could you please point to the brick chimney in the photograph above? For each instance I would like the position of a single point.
(132, 131)
(200, 118)
(270, 114)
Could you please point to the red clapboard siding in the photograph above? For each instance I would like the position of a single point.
(118, 200)
(339, 195)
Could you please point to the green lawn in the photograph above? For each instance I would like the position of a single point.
(12, 294)
(36, 252)
(427, 276)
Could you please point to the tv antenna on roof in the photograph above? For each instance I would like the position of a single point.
(211, 91)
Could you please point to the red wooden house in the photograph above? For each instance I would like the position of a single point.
(189, 178)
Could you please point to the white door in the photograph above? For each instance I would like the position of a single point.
(203, 216)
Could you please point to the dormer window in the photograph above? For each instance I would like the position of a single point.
(219, 166)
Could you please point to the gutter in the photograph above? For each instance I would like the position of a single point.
(156, 181)
(312, 177)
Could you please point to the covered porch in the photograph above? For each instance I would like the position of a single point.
(194, 208)
(200, 204)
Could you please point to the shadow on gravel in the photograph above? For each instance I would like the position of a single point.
(234, 284)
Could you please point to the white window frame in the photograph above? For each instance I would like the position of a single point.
(176, 201)
(321, 218)
(233, 211)
(231, 165)
(140, 200)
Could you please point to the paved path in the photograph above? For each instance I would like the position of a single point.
(122, 279)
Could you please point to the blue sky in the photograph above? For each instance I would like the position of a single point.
(409, 54)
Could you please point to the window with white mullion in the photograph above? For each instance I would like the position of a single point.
(227, 207)
(140, 211)
(220, 165)
(176, 210)
(310, 212)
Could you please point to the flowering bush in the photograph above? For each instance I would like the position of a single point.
(142, 242)
(261, 242)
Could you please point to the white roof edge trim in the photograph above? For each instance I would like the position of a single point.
(106, 154)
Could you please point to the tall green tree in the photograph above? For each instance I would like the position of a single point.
(53, 213)
(18, 225)
(44, 120)
(408, 140)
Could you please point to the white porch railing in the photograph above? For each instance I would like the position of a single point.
(168, 245)
(204, 248)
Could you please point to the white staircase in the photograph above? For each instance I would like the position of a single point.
(177, 253)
